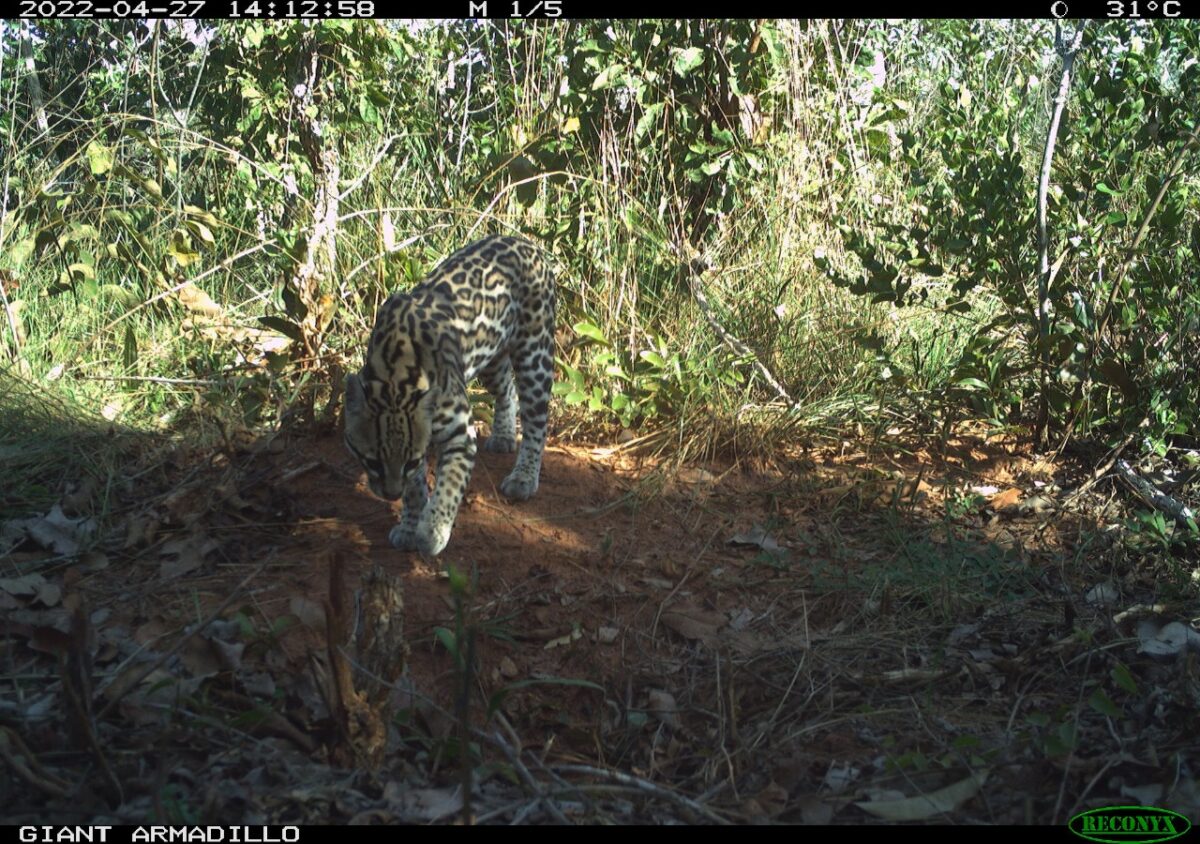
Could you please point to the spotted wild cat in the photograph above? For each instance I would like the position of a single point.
(487, 311)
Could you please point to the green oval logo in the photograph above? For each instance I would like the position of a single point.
(1123, 824)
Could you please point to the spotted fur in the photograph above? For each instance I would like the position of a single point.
(486, 311)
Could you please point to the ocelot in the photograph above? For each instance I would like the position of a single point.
(487, 311)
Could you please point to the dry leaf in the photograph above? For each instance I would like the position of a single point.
(310, 613)
(55, 531)
(664, 707)
(25, 585)
(508, 668)
(1006, 500)
(1102, 594)
(814, 810)
(562, 641)
(1168, 640)
(925, 806)
(181, 556)
(197, 301)
(422, 804)
(692, 622)
(757, 537)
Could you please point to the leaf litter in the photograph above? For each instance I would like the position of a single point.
(700, 686)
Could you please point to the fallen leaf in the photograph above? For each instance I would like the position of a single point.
(562, 641)
(260, 684)
(693, 622)
(26, 585)
(1006, 500)
(925, 806)
(838, 778)
(664, 707)
(814, 810)
(1168, 640)
(181, 556)
(1102, 594)
(757, 537)
(55, 532)
(422, 804)
(508, 668)
(310, 613)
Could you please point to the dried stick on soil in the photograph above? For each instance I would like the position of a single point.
(514, 759)
(646, 787)
(26, 766)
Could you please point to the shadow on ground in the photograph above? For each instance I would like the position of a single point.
(882, 643)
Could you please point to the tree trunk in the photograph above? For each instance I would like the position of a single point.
(318, 257)
(33, 85)
(1045, 272)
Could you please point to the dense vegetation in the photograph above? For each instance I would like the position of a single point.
(211, 214)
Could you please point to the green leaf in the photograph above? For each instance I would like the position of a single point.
(21, 251)
(591, 331)
(446, 639)
(201, 231)
(252, 35)
(974, 383)
(1103, 704)
(608, 77)
(100, 158)
(84, 271)
(283, 326)
(181, 249)
(129, 350)
(206, 217)
(648, 120)
(1121, 676)
(687, 59)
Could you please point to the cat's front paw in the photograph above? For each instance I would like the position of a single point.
(403, 537)
(519, 487)
(433, 541)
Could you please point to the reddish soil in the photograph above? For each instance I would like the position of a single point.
(904, 637)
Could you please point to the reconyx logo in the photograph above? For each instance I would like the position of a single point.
(1123, 824)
